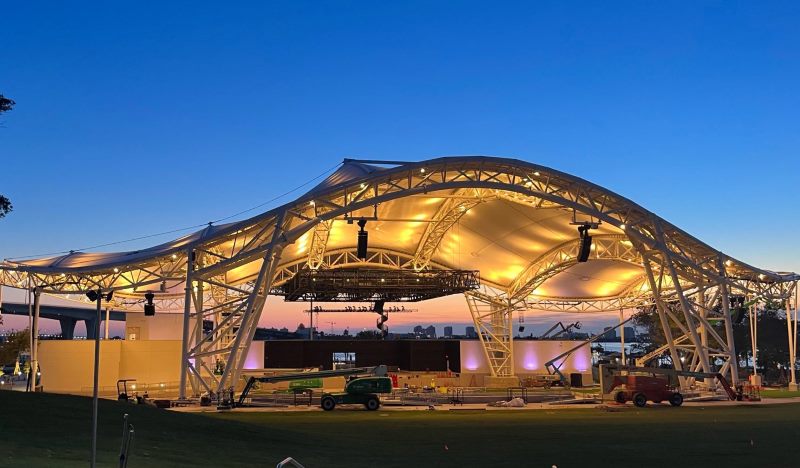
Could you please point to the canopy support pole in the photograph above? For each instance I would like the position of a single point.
(187, 307)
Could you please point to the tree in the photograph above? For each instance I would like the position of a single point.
(16, 342)
(5, 206)
(6, 105)
(368, 335)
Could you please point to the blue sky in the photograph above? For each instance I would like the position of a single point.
(140, 117)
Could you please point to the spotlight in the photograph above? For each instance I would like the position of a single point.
(93, 295)
(149, 308)
(110, 295)
(586, 242)
(362, 240)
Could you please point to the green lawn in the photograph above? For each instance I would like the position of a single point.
(782, 393)
(51, 430)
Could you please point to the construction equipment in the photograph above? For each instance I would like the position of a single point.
(545, 381)
(564, 330)
(553, 366)
(361, 376)
(359, 391)
(658, 385)
(122, 389)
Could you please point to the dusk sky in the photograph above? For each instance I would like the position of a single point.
(153, 117)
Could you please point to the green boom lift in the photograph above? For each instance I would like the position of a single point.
(362, 388)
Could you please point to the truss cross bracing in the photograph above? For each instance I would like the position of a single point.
(509, 219)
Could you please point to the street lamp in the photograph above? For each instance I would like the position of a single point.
(96, 296)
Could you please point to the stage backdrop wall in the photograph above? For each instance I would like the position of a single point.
(530, 357)
(67, 365)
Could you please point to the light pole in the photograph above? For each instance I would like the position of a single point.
(98, 297)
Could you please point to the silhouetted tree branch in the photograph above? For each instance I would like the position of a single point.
(6, 105)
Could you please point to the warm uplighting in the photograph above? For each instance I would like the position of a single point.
(116, 270)
(622, 226)
(536, 174)
(422, 170)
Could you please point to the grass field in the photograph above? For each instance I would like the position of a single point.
(53, 430)
(783, 393)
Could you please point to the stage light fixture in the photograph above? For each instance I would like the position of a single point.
(586, 242)
(149, 307)
(93, 295)
(109, 296)
(362, 240)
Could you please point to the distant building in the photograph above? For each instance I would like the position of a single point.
(612, 335)
(630, 333)
(430, 332)
(418, 330)
(471, 332)
(448, 331)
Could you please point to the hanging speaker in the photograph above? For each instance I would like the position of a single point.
(362, 245)
(585, 247)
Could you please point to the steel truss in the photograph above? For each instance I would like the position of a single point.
(227, 271)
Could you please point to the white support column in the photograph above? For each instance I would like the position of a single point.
(753, 319)
(622, 337)
(187, 308)
(254, 305)
(510, 327)
(230, 366)
(733, 363)
(108, 321)
(662, 314)
(198, 329)
(474, 310)
(792, 335)
(35, 339)
(702, 354)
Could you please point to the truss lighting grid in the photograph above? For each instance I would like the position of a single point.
(369, 285)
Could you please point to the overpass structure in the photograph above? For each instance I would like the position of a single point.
(541, 239)
(67, 317)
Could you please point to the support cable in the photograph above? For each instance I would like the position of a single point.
(187, 228)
